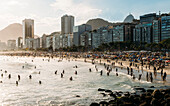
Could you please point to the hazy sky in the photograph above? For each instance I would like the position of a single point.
(47, 13)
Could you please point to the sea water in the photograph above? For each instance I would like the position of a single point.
(55, 90)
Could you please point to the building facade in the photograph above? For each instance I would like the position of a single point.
(156, 31)
(28, 29)
(36, 43)
(67, 24)
(19, 43)
(165, 27)
(77, 31)
(11, 44)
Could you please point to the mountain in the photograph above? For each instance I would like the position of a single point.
(11, 32)
(97, 23)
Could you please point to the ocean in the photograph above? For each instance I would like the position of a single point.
(54, 90)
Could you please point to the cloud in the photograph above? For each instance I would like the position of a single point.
(46, 13)
(81, 10)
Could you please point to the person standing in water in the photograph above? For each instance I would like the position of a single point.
(75, 72)
(101, 72)
(147, 76)
(89, 69)
(164, 76)
(18, 77)
(71, 79)
(61, 75)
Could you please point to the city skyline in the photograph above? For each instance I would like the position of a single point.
(47, 14)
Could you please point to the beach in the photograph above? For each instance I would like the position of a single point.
(86, 88)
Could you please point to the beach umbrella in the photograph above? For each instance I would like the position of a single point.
(153, 59)
(168, 61)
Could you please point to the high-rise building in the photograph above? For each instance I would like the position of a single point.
(156, 31)
(19, 43)
(86, 40)
(148, 18)
(77, 31)
(28, 29)
(118, 33)
(165, 27)
(3, 45)
(36, 43)
(11, 44)
(143, 32)
(67, 23)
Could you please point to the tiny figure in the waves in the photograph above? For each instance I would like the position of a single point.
(19, 77)
(22, 66)
(140, 75)
(9, 76)
(39, 72)
(32, 60)
(134, 77)
(130, 64)
(108, 73)
(128, 72)
(1, 82)
(35, 67)
(63, 71)
(164, 76)
(89, 69)
(5, 71)
(116, 69)
(71, 79)
(151, 78)
(76, 66)
(56, 72)
(61, 75)
(162, 72)
(131, 71)
(16, 83)
(30, 77)
(147, 76)
(40, 82)
(75, 72)
(1, 69)
(117, 74)
(2, 75)
(101, 72)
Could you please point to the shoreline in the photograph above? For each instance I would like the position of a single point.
(142, 96)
